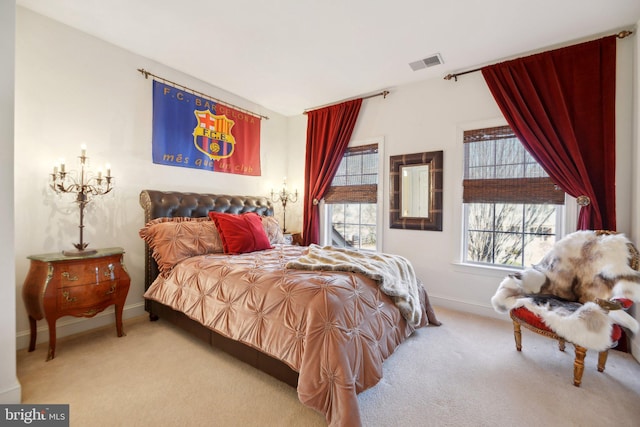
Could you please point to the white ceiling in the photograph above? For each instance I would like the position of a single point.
(292, 55)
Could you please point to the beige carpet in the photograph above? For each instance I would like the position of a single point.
(464, 373)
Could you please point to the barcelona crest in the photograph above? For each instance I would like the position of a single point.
(212, 136)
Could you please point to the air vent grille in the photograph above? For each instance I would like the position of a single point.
(429, 61)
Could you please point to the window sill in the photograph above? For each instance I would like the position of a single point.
(484, 270)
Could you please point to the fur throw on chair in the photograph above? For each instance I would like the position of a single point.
(563, 287)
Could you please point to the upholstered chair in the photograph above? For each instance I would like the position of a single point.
(540, 311)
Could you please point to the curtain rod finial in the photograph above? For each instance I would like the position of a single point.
(144, 72)
(623, 34)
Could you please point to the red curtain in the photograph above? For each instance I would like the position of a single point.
(328, 133)
(561, 105)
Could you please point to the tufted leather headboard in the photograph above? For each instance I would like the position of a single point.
(171, 204)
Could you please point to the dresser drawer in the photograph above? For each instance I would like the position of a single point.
(72, 297)
(72, 274)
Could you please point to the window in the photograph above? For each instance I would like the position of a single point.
(512, 209)
(352, 200)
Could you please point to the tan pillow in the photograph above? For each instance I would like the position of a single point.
(273, 230)
(175, 239)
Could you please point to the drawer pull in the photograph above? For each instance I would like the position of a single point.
(90, 312)
(69, 277)
(68, 297)
(109, 271)
(111, 290)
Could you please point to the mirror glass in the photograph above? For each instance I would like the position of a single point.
(416, 191)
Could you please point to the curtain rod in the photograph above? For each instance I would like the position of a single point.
(620, 35)
(384, 94)
(146, 75)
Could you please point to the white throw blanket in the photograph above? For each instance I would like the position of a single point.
(581, 267)
(394, 274)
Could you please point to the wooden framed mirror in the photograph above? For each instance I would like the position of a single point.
(416, 191)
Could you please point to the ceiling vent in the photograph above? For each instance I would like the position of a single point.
(430, 61)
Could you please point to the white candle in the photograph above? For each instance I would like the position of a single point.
(100, 173)
(83, 150)
(108, 169)
(62, 165)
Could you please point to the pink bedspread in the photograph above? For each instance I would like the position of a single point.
(334, 328)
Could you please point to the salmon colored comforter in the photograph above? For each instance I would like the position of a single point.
(334, 328)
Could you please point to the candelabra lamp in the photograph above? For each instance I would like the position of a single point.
(283, 196)
(85, 185)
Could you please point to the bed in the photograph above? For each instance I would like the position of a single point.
(324, 332)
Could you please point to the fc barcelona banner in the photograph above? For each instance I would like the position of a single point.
(195, 132)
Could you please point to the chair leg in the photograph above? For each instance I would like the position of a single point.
(578, 365)
(517, 334)
(602, 360)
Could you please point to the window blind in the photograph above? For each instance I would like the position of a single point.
(498, 169)
(356, 180)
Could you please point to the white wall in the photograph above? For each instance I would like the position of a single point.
(296, 137)
(72, 88)
(9, 386)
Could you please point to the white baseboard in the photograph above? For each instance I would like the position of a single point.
(468, 307)
(68, 325)
(12, 395)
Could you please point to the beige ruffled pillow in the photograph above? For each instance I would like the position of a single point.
(273, 230)
(175, 239)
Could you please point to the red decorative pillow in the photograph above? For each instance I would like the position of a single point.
(241, 233)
